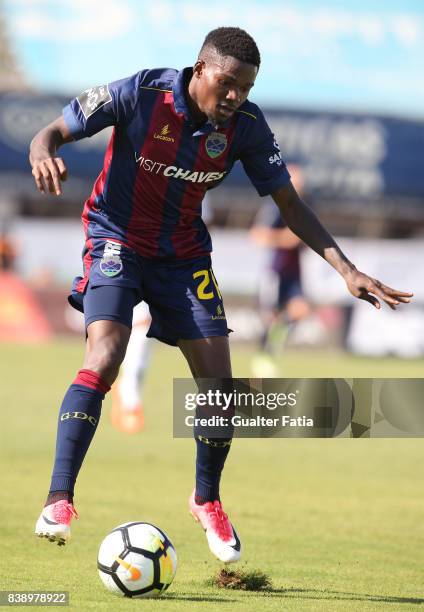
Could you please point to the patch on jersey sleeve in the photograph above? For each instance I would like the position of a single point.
(94, 98)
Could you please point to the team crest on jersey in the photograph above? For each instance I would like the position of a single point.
(111, 262)
(215, 144)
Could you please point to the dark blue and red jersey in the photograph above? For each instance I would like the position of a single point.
(159, 164)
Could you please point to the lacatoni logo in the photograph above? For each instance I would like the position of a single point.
(155, 167)
(220, 314)
(164, 134)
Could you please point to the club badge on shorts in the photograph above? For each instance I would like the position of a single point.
(111, 262)
(215, 144)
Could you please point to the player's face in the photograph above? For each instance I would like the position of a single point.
(222, 85)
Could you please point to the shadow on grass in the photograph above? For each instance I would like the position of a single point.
(258, 583)
(338, 595)
(293, 593)
(189, 597)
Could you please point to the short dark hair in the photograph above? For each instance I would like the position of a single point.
(234, 42)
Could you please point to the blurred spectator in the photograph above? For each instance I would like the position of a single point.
(8, 252)
(21, 317)
(281, 300)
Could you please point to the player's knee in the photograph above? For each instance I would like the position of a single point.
(298, 309)
(105, 357)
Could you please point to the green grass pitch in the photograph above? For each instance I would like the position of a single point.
(335, 524)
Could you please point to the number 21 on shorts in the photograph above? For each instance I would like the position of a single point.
(205, 287)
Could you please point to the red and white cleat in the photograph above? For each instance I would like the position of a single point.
(55, 520)
(222, 538)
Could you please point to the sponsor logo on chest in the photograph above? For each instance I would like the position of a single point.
(156, 167)
(164, 134)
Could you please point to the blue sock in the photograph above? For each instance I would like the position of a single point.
(79, 415)
(210, 460)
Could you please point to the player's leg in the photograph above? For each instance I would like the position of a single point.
(297, 308)
(289, 308)
(209, 358)
(293, 309)
(134, 366)
(187, 311)
(127, 407)
(79, 414)
(263, 363)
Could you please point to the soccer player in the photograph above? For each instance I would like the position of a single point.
(280, 295)
(176, 134)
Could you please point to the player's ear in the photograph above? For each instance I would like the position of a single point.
(198, 67)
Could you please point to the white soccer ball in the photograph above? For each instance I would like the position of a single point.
(137, 560)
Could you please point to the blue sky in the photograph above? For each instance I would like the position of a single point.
(364, 55)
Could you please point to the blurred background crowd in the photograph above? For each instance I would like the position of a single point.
(341, 88)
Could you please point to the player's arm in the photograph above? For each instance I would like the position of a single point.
(93, 110)
(48, 169)
(305, 224)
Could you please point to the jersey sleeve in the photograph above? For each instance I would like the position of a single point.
(261, 158)
(102, 106)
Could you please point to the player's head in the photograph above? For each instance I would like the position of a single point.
(224, 73)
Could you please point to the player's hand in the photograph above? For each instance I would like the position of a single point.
(366, 288)
(48, 174)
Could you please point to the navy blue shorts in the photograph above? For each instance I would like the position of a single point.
(182, 294)
(276, 290)
(289, 288)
